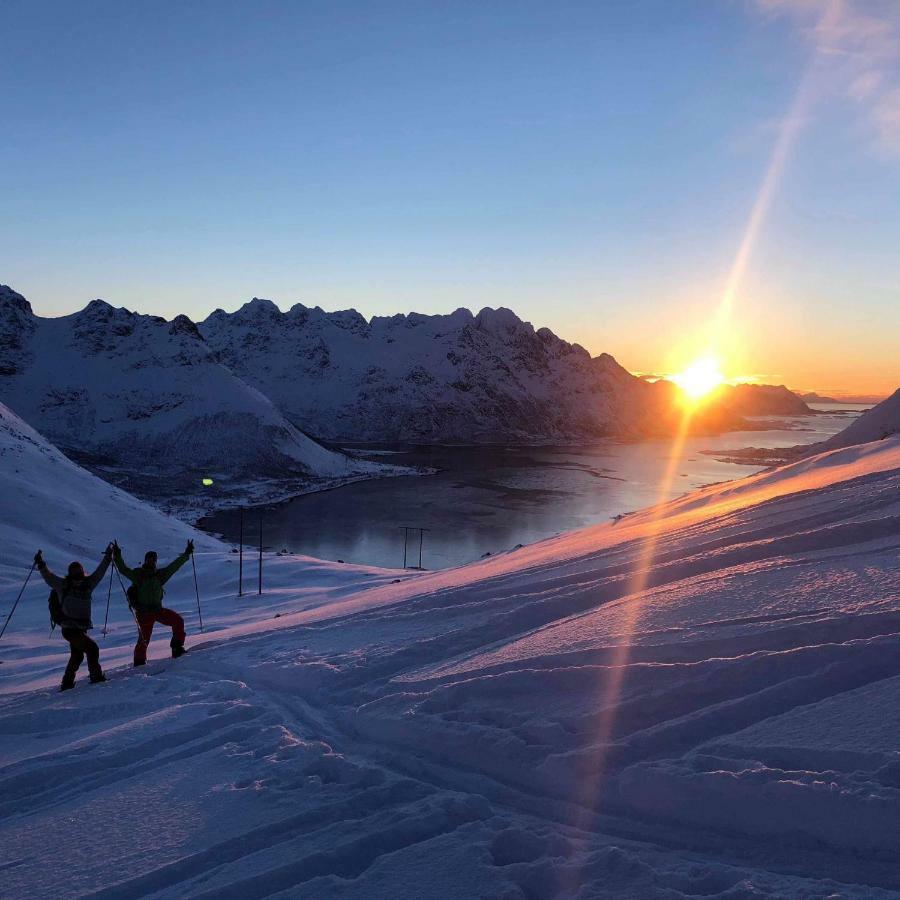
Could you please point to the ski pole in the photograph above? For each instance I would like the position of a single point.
(197, 592)
(2, 630)
(108, 596)
(133, 616)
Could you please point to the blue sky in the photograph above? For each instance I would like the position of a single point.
(591, 165)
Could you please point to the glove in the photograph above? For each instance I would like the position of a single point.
(38, 559)
(115, 545)
(108, 552)
(189, 549)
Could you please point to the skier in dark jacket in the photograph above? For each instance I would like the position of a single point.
(145, 598)
(74, 594)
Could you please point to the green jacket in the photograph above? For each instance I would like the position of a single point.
(149, 582)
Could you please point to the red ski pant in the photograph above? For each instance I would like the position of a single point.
(146, 621)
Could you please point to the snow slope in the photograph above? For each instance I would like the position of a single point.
(147, 399)
(51, 503)
(879, 422)
(698, 700)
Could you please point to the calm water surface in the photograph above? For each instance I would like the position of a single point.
(486, 500)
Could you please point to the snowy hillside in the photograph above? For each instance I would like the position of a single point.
(147, 398)
(876, 423)
(454, 377)
(699, 700)
(49, 502)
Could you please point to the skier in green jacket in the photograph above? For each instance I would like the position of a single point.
(145, 597)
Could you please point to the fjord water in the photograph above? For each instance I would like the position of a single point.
(490, 499)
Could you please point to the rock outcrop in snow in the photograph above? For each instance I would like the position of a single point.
(149, 398)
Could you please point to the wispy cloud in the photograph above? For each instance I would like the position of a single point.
(861, 41)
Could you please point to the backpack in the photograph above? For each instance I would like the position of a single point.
(55, 606)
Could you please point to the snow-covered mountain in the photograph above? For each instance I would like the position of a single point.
(874, 424)
(49, 502)
(149, 398)
(456, 377)
(227, 398)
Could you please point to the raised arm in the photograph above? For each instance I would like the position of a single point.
(53, 580)
(100, 571)
(120, 563)
(166, 572)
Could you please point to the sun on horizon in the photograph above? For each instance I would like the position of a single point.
(699, 379)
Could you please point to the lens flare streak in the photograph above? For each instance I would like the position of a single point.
(699, 382)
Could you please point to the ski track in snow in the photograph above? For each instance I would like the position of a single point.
(558, 721)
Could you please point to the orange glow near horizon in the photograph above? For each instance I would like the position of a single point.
(699, 379)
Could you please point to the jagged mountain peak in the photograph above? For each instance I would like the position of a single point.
(11, 299)
(453, 376)
(104, 327)
(461, 315)
(501, 320)
(498, 320)
(99, 307)
(101, 311)
(181, 324)
(606, 362)
(268, 324)
(260, 306)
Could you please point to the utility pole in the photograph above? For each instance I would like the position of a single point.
(241, 556)
(406, 531)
